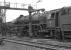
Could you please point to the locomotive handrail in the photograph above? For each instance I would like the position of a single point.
(51, 19)
(28, 24)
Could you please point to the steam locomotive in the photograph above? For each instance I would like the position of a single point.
(54, 23)
(38, 23)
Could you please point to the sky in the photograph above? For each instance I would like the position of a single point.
(47, 4)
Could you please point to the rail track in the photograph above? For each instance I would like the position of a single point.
(40, 45)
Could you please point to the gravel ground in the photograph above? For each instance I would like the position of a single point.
(14, 46)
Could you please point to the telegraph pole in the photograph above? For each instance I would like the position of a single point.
(4, 19)
(4, 12)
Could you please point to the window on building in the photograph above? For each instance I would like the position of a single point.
(52, 15)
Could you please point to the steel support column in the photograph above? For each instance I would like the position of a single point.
(30, 21)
